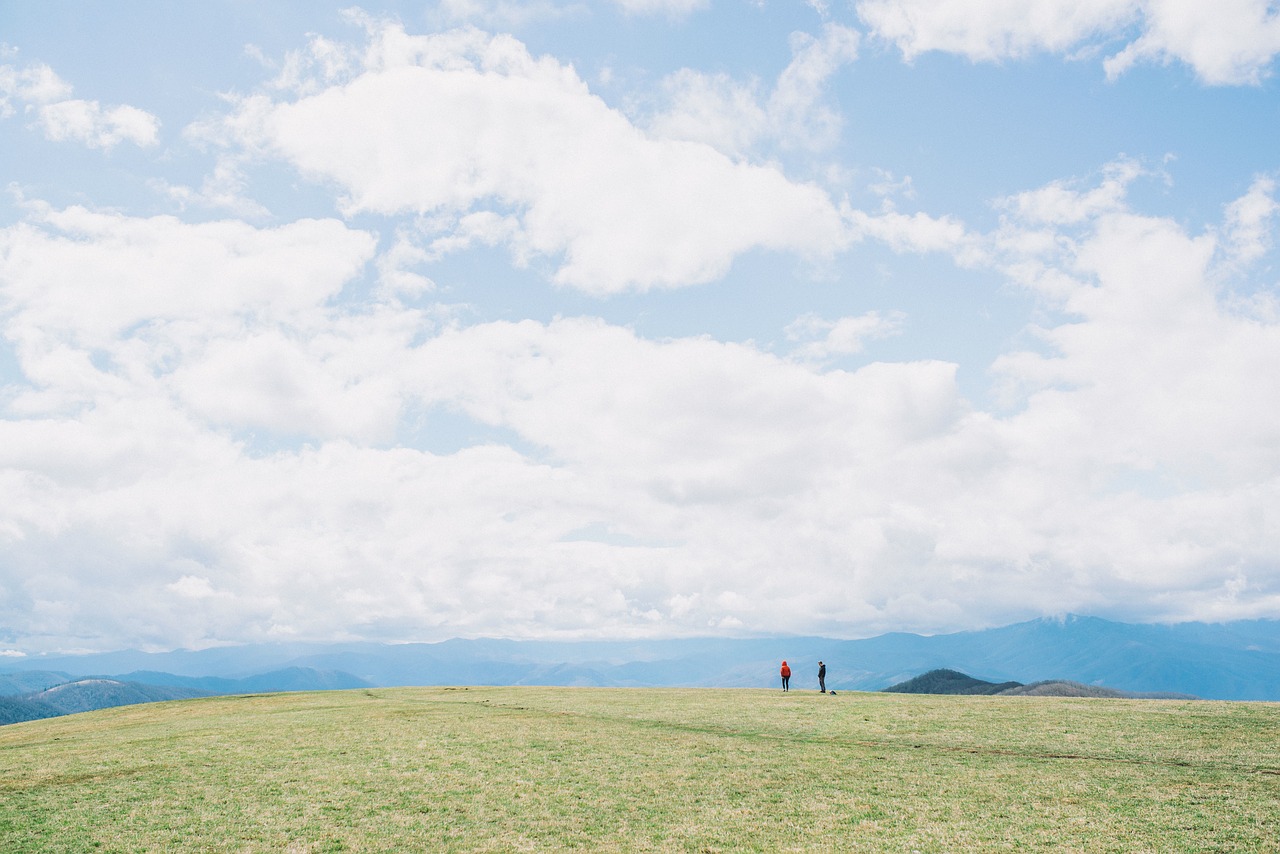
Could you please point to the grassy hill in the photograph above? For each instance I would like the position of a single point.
(642, 769)
(945, 681)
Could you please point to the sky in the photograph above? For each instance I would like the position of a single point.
(634, 319)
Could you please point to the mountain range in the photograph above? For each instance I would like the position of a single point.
(1228, 661)
(30, 695)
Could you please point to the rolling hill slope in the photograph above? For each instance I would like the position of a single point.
(529, 768)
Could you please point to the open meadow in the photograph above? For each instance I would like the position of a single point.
(507, 769)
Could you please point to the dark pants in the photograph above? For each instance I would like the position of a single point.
(786, 683)
(822, 684)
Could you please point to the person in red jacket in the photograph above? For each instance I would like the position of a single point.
(786, 677)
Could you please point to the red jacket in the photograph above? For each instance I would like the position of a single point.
(786, 671)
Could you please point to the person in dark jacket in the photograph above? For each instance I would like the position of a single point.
(822, 677)
(786, 677)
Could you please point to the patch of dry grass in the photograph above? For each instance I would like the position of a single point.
(508, 769)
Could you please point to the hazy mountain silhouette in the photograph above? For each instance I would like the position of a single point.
(1230, 661)
(1067, 688)
(27, 681)
(85, 695)
(286, 679)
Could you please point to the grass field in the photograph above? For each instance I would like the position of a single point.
(508, 769)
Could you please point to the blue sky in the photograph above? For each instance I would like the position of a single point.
(647, 318)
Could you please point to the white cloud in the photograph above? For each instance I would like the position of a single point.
(1230, 42)
(1149, 368)
(36, 84)
(223, 189)
(323, 61)
(1250, 221)
(396, 274)
(480, 228)
(823, 339)
(192, 587)
(90, 275)
(1059, 203)
(89, 123)
(230, 320)
(320, 387)
(703, 402)
(990, 31)
(918, 232)
(713, 109)
(464, 122)
(738, 488)
(1227, 43)
(796, 98)
(736, 117)
(63, 118)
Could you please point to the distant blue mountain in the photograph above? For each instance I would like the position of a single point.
(286, 679)
(1230, 661)
(59, 694)
(28, 681)
(85, 695)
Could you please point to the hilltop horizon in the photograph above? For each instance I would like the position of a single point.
(1237, 661)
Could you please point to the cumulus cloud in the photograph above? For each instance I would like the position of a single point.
(37, 84)
(1231, 42)
(463, 123)
(714, 109)
(88, 122)
(918, 232)
(1227, 43)
(208, 538)
(1156, 369)
(1060, 203)
(992, 31)
(63, 118)
(228, 319)
(89, 275)
(1250, 222)
(644, 486)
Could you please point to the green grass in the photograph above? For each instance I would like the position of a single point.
(511, 769)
